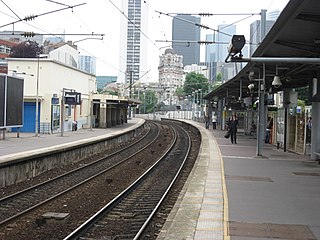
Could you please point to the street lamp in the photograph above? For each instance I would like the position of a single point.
(192, 104)
(200, 103)
(37, 97)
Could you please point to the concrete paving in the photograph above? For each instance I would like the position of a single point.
(280, 188)
(275, 196)
(27, 142)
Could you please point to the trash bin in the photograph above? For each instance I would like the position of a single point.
(74, 126)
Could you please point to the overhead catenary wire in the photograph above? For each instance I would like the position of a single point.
(103, 61)
(11, 10)
(214, 14)
(204, 26)
(31, 34)
(112, 49)
(200, 42)
(32, 17)
(151, 11)
(61, 34)
(58, 3)
(45, 33)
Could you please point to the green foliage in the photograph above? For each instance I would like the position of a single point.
(107, 91)
(301, 103)
(219, 77)
(180, 93)
(99, 90)
(112, 93)
(195, 81)
(26, 49)
(303, 94)
(148, 101)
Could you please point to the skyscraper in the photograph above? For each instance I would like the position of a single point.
(255, 29)
(133, 47)
(210, 49)
(255, 34)
(184, 33)
(216, 53)
(223, 38)
(87, 63)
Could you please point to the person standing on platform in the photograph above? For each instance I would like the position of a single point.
(214, 121)
(268, 130)
(309, 126)
(206, 120)
(233, 128)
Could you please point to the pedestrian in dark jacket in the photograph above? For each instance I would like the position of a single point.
(233, 128)
(269, 130)
(206, 121)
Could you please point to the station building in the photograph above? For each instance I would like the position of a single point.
(48, 82)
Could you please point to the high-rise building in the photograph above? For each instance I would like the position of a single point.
(210, 49)
(133, 47)
(87, 63)
(184, 34)
(273, 15)
(210, 59)
(255, 34)
(102, 81)
(255, 29)
(223, 38)
(216, 53)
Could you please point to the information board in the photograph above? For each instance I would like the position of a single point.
(11, 101)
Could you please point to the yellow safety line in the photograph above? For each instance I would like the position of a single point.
(226, 235)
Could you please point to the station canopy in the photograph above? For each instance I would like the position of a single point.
(295, 34)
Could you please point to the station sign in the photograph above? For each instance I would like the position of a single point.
(72, 98)
(54, 101)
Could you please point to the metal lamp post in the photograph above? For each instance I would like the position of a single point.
(200, 103)
(37, 100)
(193, 101)
(37, 97)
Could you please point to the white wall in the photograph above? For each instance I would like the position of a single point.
(53, 77)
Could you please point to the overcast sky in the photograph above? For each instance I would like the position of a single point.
(103, 17)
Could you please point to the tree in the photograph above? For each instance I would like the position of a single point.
(219, 77)
(303, 94)
(26, 49)
(195, 81)
(180, 93)
(148, 101)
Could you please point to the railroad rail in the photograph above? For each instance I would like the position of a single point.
(127, 215)
(20, 203)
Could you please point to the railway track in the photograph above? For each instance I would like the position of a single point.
(20, 203)
(127, 215)
(84, 201)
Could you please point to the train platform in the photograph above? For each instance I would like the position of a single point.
(230, 194)
(234, 194)
(27, 143)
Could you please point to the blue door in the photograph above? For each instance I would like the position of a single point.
(29, 116)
